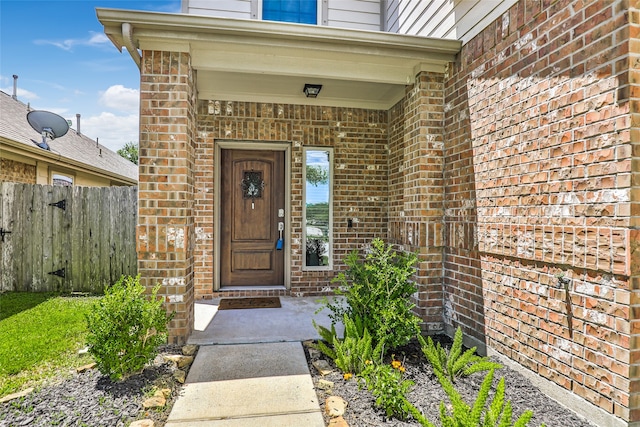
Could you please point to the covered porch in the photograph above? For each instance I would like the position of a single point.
(214, 86)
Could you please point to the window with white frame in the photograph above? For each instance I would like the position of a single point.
(318, 208)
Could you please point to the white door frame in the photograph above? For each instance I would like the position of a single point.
(256, 146)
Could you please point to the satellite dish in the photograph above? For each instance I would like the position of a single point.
(49, 125)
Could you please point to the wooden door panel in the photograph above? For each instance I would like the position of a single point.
(253, 216)
(251, 260)
(249, 217)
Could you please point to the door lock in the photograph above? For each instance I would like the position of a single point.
(280, 242)
(280, 213)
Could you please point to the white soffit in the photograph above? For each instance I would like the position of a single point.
(262, 61)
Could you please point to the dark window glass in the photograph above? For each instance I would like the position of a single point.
(300, 11)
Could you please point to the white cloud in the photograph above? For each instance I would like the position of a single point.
(111, 130)
(94, 39)
(121, 98)
(22, 93)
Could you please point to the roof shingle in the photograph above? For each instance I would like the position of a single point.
(14, 126)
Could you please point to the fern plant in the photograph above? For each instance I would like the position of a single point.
(455, 363)
(498, 414)
(351, 353)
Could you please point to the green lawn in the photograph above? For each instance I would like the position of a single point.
(40, 335)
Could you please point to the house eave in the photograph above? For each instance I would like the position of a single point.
(222, 49)
(266, 32)
(38, 154)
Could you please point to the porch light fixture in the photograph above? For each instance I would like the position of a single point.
(311, 91)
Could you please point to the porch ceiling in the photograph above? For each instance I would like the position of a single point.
(250, 60)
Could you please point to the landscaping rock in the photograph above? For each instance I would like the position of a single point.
(189, 349)
(322, 366)
(142, 423)
(324, 384)
(17, 395)
(314, 354)
(335, 406)
(338, 422)
(179, 360)
(158, 400)
(85, 368)
(180, 376)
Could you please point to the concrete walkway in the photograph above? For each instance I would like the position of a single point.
(251, 369)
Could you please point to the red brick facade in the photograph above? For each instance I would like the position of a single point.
(514, 175)
(165, 233)
(416, 188)
(359, 139)
(538, 171)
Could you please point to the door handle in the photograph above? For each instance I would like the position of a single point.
(280, 242)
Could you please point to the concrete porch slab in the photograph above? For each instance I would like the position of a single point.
(242, 361)
(291, 322)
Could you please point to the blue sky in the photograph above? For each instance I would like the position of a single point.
(65, 64)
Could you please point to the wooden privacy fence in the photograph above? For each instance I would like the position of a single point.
(66, 239)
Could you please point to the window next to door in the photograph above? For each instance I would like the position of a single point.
(318, 208)
(299, 11)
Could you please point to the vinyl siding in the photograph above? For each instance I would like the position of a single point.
(220, 8)
(358, 14)
(451, 19)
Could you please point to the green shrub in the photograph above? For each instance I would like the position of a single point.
(126, 328)
(377, 290)
(351, 353)
(386, 384)
(497, 414)
(455, 363)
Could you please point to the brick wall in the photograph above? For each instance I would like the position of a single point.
(359, 138)
(416, 188)
(165, 232)
(538, 201)
(12, 171)
(633, 78)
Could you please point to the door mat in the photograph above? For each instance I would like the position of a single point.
(257, 302)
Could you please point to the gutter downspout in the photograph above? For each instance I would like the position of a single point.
(127, 38)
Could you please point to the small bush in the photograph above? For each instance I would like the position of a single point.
(390, 389)
(378, 291)
(126, 328)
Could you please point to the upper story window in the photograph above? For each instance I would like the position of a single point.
(300, 11)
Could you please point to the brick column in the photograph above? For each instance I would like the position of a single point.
(166, 192)
(416, 187)
(633, 77)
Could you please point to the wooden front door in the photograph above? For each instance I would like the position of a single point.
(252, 197)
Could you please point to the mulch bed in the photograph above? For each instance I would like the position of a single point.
(92, 399)
(427, 394)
